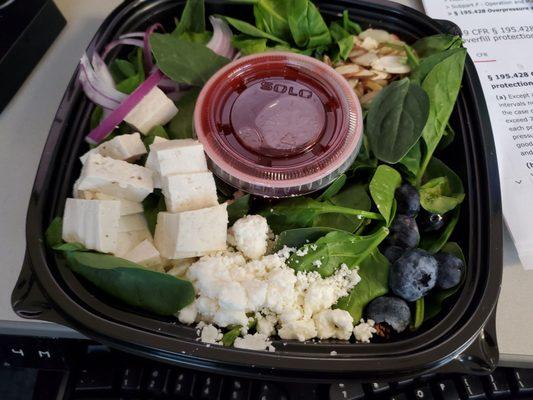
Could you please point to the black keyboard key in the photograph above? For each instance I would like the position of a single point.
(497, 384)
(157, 381)
(184, 385)
(378, 388)
(423, 393)
(346, 391)
(404, 383)
(131, 379)
(447, 390)
(95, 379)
(472, 387)
(399, 396)
(208, 387)
(522, 381)
(426, 377)
(236, 390)
(271, 391)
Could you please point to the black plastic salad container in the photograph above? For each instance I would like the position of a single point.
(462, 339)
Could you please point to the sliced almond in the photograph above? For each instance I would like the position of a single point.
(348, 70)
(363, 73)
(359, 90)
(379, 76)
(356, 52)
(373, 85)
(353, 82)
(370, 44)
(367, 98)
(365, 60)
(379, 35)
(381, 82)
(392, 65)
(327, 60)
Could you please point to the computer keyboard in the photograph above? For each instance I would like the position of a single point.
(66, 370)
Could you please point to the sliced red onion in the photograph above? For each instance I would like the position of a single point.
(220, 43)
(147, 49)
(115, 43)
(138, 35)
(97, 89)
(117, 116)
(101, 70)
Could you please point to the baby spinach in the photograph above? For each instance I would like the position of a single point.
(442, 190)
(192, 18)
(296, 238)
(182, 125)
(433, 241)
(329, 252)
(271, 17)
(396, 119)
(135, 285)
(230, 336)
(250, 30)
(442, 85)
(411, 162)
(238, 208)
(300, 212)
(66, 247)
(247, 45)
(350, 26)
(374, 273)
(355, 197)
(430, 45)
(435, 299)
(153, 204)
(343, 39)
(420, 73)
(54, 232)
(418, 315)
(306, 24)
(382, 188)
(156, 131)
(193, 69)
(333, 189)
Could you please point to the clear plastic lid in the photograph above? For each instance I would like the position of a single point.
(278, 124)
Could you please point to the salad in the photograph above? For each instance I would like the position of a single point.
(366, 258)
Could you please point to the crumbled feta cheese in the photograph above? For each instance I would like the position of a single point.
(332, 353)
(186, 192)
(317, 263)
(122, 147)
(211, 334)
(154, 109)
(364, 330)
(250, 235)
(302, 330)
(286, 252)
(335, 324)
(93, 223)
(187, 315)
(145, 254)
(302, 252)
(266, 324)
(191, 233)
(115, 178)
(256, 341)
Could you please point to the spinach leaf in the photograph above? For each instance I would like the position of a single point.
(355, 197)
(300, 212)
(182, 125)
(230, 336)
(306, 24)
(442, 190)
(195, 37)
(421, 72)
(249, 45)
(374, 273)
(193, 69)
(126, 68)
(382, 188)
(238, 209)
(69, 247)
(156, 131)
(296, 238)
(54, 232)
(418, 315)
(329, 252)
(192, 18)
(135, 285)
(131, 83)
(96, 117)
(350, 26)
(435, 299)
(271, 17)
(343, 39)
(411, 162)
(430, 45)
(250, 30)
(396, 119)
(152, 205)
(442, 85)
(333, 189)
(433, 241)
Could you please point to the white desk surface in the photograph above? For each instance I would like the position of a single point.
(24, 126)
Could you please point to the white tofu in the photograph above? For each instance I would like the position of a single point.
(93, 223)
(127, 207)
(159, 139)
(186, 192)
(134, 222)
(128, 240)
(116, 178)
(145, 254)
(154, 109)
(180, 156)
(123, 147)
(191, 233)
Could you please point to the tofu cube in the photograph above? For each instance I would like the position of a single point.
(181, 156)
(133, 222)
(191, 233)
(154, 109)
(186, 192)
(145, 254)
(115, 178)
(128, 240)
(127, 207)
(123, 147)
(93, 223)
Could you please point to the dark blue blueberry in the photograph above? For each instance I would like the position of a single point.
(413, 274)
(403, 232)
(392, 310)
(407, 200)
(429, 222)
(450, 270)
(393, 253)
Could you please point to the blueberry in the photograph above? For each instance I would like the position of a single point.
(450, 270)
(393, 253)
(403, 232)
(413, 274)
(407, 200)
(429, 222)
(392, 310)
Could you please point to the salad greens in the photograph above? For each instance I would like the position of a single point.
(181, 126)
(382, 188)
